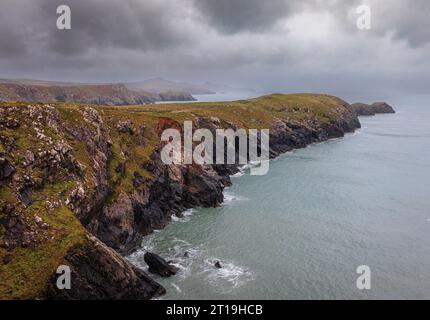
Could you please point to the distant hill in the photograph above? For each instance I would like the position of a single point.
(103, 94)
(158, 85)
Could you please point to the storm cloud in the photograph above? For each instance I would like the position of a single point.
(273, 45)
(232, 16)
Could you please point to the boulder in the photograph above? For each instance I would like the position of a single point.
(158, 265)
(6, 168)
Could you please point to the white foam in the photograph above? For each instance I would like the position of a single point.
(228, 277)
(230, 197)
(188, 213)
(176, 287)
(186, 216)
(238, 174)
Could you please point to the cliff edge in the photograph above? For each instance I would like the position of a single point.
(81, 185)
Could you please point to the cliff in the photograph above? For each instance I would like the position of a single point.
(362, 109)
(103, 94)
(82, 184)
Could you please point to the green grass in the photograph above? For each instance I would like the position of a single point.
(28, 273)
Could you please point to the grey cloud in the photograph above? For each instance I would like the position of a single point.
(113, 24)
(14, 32)
(283, 45)
(405, 20)
(230, 16)
(408, 20)
(96, 24)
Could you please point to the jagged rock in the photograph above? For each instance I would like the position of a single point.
(98, 272)
(203, 187)
(24, 194)
(116, 225)
(158, 265)
(76, 197)
(125, 127)
(10, 123)
(217, 264)
(39, 222)
(6, 168)
(16, 230)
(137, 179)
(28, 158)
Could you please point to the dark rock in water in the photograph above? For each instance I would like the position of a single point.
(186, 254)
(218, 264)
(158, 265)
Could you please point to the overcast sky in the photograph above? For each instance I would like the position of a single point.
(271, 45)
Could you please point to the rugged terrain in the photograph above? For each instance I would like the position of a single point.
(363, 109)
(80, 185)
(102, 94)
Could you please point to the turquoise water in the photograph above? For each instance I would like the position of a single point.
(301, 231)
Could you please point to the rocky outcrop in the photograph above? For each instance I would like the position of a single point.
(6, 168)
(158, 265)
(382, 107)
(362, 109)
(98, 272)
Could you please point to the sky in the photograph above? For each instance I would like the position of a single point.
(271, 45)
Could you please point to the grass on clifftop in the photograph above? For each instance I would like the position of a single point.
(26, 275)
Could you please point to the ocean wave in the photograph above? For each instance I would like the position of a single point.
(238, 174)
(183, 255)
(229, 277)
(230, 197)
(185, 216)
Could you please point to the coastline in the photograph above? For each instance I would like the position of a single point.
(120, 209)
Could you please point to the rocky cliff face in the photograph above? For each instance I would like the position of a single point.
(80, 185)
(99, 272)
(107, 94)
(363, 109)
